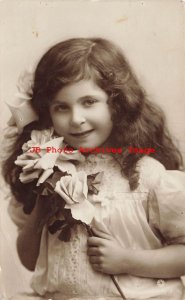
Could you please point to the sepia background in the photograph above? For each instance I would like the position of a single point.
(151, 34)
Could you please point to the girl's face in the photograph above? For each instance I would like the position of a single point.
(80, 113)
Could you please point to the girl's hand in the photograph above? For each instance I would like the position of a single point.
(106, 255)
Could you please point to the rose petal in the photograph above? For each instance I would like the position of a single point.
(74, 155)
(82, 211)
(80, 187)
(65, 166)
(47, 161)
(77, 193)
(63, 193)
(26, 177)
(69, 187)
(44, 176)
(40, 137)
(30, 165)
(64, 183)
(28, 156)
(21, 163)
(83, 177)
(55, 143)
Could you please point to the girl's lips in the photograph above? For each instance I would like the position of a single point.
(84, 133)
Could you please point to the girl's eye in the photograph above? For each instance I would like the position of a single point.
(61, 107)
(90, 102)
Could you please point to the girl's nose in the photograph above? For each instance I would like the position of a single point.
(77, 118)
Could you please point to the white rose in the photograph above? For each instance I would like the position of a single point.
(73, 189)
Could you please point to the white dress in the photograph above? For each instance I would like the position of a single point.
(149, 217)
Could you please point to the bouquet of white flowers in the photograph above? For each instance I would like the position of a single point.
(58, 182)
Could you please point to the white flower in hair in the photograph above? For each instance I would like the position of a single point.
(21, 108)
(25, 85)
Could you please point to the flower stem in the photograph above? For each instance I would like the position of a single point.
(117, 286)
(90, 233)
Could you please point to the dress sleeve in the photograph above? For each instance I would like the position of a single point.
(166, 203)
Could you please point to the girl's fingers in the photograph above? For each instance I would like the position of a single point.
(94, 260)
(101, 234)
(22, 163)
(94, 241)
(96, 267)
(93, 251)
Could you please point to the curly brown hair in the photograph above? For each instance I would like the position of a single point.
(136, 121)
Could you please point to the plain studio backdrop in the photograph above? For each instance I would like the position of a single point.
(151, 34)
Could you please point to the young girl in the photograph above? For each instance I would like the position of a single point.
(85, 89)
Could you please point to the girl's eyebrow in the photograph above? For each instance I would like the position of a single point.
(58, 102)
(95, 97)
(79, 99)
(88, 97)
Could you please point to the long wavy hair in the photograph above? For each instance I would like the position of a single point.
(137, 122)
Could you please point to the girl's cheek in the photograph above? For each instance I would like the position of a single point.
(57, 120)
(60, 126)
